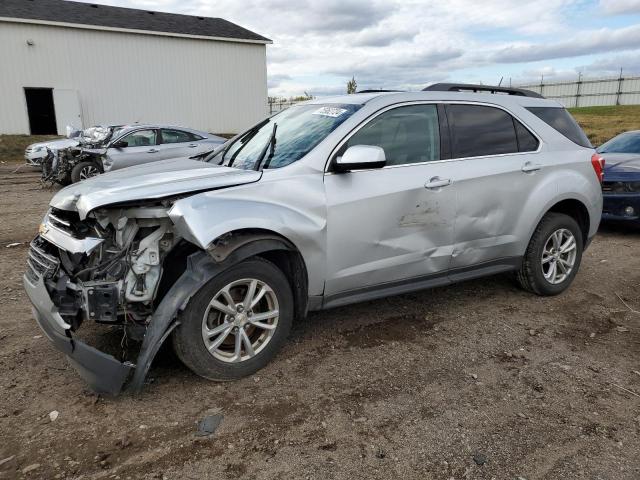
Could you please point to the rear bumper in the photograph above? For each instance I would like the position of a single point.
(101, 371)
(614, 207)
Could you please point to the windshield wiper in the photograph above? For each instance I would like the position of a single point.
(271, 147)
(244, 138)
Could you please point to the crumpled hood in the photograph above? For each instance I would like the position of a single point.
(621, 165)
(151, 180)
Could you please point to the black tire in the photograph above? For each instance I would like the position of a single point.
(188, 341)
(531, 276)
(76, 171)
(65, 180)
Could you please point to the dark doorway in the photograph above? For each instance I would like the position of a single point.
(42, 114)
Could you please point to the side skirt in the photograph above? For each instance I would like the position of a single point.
(418, 283)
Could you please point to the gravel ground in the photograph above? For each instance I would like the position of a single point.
(479, 381)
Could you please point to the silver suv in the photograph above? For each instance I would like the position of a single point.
(327, 203)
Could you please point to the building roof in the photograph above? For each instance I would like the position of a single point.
(108, 17)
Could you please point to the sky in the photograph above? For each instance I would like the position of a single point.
(318, 45)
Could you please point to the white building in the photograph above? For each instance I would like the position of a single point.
(65, 62)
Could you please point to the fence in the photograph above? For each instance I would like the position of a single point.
(591, 92)
(275, 106)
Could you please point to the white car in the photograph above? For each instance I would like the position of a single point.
(35, 152)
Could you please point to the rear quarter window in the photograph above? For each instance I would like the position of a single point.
(559, 119)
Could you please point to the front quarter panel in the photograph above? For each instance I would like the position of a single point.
(292, 206)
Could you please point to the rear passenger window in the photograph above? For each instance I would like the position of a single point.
(407, 135)
(527, 142)
(477, 130)
(176, 136)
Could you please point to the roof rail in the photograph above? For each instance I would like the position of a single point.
(470, 87)
(377, 91)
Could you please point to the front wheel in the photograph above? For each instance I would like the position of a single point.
(84, 170)
(237, 322)
(553, 257)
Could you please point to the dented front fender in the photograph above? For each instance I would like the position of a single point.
(203, 218)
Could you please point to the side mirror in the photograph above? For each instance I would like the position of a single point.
(360, 157)
(120, 144)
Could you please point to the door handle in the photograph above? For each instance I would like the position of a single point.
(531, 167)
(437, 182)
(192, 146)
(152, 150)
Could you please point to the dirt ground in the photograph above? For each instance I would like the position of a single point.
(478, 381)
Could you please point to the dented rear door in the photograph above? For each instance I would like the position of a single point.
(499, 166)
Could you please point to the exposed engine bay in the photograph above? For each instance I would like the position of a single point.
(114, 275)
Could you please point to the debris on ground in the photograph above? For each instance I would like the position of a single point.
(480, 458)
(209, 425)
(11, 245)
(53, 416)
(30, 468)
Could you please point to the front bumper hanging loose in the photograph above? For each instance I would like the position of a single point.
(103, 372)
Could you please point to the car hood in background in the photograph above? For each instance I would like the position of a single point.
(149, 181)
(56, 144)
(618, 165)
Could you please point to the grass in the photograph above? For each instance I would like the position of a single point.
(602, 123)
(12, 146)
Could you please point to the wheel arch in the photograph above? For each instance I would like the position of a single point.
(578, 211)
(573, 204)
(238, 245)
(235, 246)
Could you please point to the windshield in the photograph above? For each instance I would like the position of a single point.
(624, 143)
(284, 138)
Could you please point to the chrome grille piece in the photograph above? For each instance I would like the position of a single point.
(40, 263)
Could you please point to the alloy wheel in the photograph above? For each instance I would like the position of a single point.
(88, 172)
(240, 320)
(559, 256)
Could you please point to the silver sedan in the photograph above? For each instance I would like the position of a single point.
(136, 144)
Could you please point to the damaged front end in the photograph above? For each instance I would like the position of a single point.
(58, 165)
(106, 268)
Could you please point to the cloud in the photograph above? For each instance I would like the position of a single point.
(406, 44)
(274, 81)
(289, 17)
(620, 7)
(383, 37)
(588, 42)
(610, 65)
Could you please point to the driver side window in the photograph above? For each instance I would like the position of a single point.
(407, 135)
(141, 138)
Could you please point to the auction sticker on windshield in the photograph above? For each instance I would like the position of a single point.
(330, 111)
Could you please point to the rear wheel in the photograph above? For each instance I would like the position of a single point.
(84, 170)
(237, 322)
(553, 257)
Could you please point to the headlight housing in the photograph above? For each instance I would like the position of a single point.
(621, 187)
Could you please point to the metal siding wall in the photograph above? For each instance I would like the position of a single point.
(592, 92)
(121, 77)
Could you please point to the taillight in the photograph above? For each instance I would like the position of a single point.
(598, 166)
